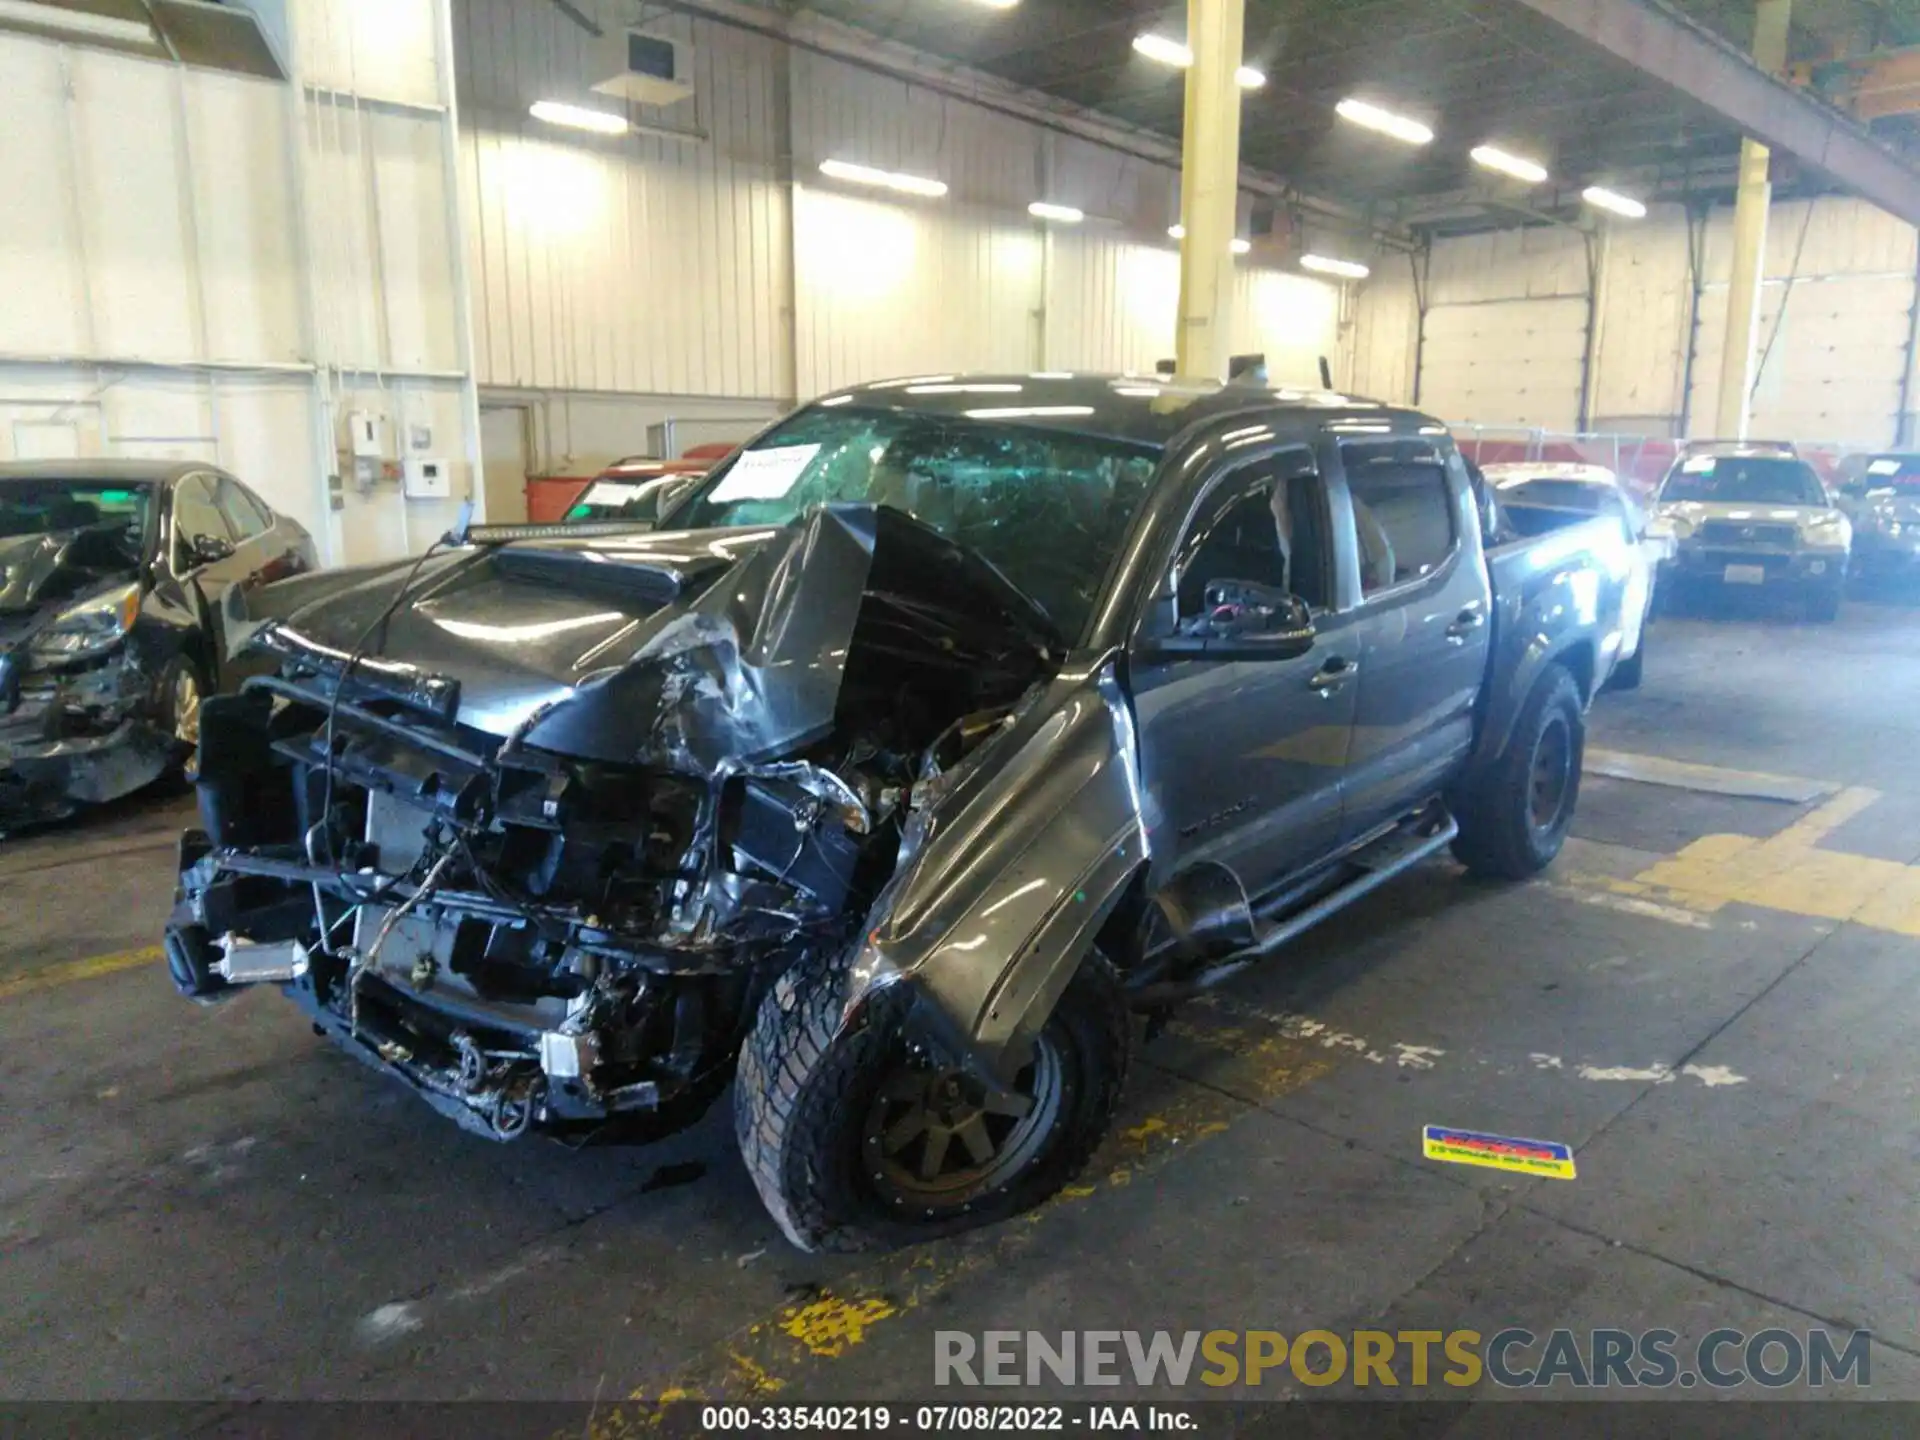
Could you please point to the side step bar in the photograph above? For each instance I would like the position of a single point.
(1391, 856)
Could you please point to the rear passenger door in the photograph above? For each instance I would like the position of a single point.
(1242, 758)
(1424, 622)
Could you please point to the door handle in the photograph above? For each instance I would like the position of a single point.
(1464, 625)
(1333, 675)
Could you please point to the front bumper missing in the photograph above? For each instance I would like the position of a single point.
(45, 779)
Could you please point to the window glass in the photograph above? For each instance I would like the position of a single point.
(1266, 525)
(246, 516)
(1048, 508)
(195, 514)
(1403, 510)
(1743, 479)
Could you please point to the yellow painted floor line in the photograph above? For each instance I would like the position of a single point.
(1789, 873)
(1708, 779)
(762, 1358)
(53, 977)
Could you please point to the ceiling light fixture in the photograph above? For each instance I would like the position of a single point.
(1605, 199)
(1325, 265)
(1172, 52)
(1065, 214)
(1241, 247)
(1237, 245)
(884, 179)
(1518, 166)
(1177, 232)
(578, 117)
(1372, 117)
(997, 4)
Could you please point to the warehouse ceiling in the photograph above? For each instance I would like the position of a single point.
(1477, 71)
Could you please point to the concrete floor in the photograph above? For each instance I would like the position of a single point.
(214, 1204)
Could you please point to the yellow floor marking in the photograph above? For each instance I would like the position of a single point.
(761, 1359)
(1707, 779)
(1790, 873)
(71, 971)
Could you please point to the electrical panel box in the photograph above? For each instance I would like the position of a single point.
(363, 434)
(426, 479)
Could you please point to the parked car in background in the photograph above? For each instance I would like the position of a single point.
(1882, 499)
(633, 490)
(1754, 518)
(1540, 498)
(921, 740)
(113, 576)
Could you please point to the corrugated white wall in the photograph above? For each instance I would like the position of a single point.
(205, 267)
(1506, 327)
(728, 266)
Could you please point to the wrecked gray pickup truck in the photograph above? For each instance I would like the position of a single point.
(947, 724)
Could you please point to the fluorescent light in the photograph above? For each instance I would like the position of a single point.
(1172, 52)
(1065, 214)
(1167, 52)
(997, 4)
(578, 117)
(1518, 166)
(885, 179)
(1237, 245)
(1345, 269)
(77, 22)
(1619, 204)
(1372, 117)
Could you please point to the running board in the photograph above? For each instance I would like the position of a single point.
(1380, 862)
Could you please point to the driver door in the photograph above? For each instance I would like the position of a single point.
(1243, 759)
(208, 558)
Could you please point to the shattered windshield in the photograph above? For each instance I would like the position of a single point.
(1746, 480)
(1048, 510)
(49, 507)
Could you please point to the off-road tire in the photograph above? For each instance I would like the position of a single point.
(805, 1086)
(1499, 838)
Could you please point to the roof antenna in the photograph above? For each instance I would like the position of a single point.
(1326, 374)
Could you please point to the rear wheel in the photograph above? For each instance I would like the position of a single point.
(1514, 818)
(860, 1136)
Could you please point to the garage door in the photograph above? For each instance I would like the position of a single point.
(1505, 362)
(1834, 371)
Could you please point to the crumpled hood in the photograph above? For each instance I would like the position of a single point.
(684, 649)
(38, 572)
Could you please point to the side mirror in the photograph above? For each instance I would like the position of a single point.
(1243, 620)
(209, 550)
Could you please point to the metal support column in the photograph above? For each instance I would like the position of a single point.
(1750, 238)
(1209, 185)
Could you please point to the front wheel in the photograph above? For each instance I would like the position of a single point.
(182, 692)
(1515, 816)
(1823, 606)
(860, 1137)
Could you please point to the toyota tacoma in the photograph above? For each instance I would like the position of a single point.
(941, 729)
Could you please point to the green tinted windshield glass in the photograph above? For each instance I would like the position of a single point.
(54, 507)
(1048, 510)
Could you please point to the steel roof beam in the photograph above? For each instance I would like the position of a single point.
(1657, 40)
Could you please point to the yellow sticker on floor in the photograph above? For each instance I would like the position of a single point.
(1547, 1158)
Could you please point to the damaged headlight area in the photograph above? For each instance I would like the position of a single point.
(91, 629)
(534, 942)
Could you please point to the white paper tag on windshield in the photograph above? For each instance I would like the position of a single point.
(1884, 467)
(607, 492)
(765, 474)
